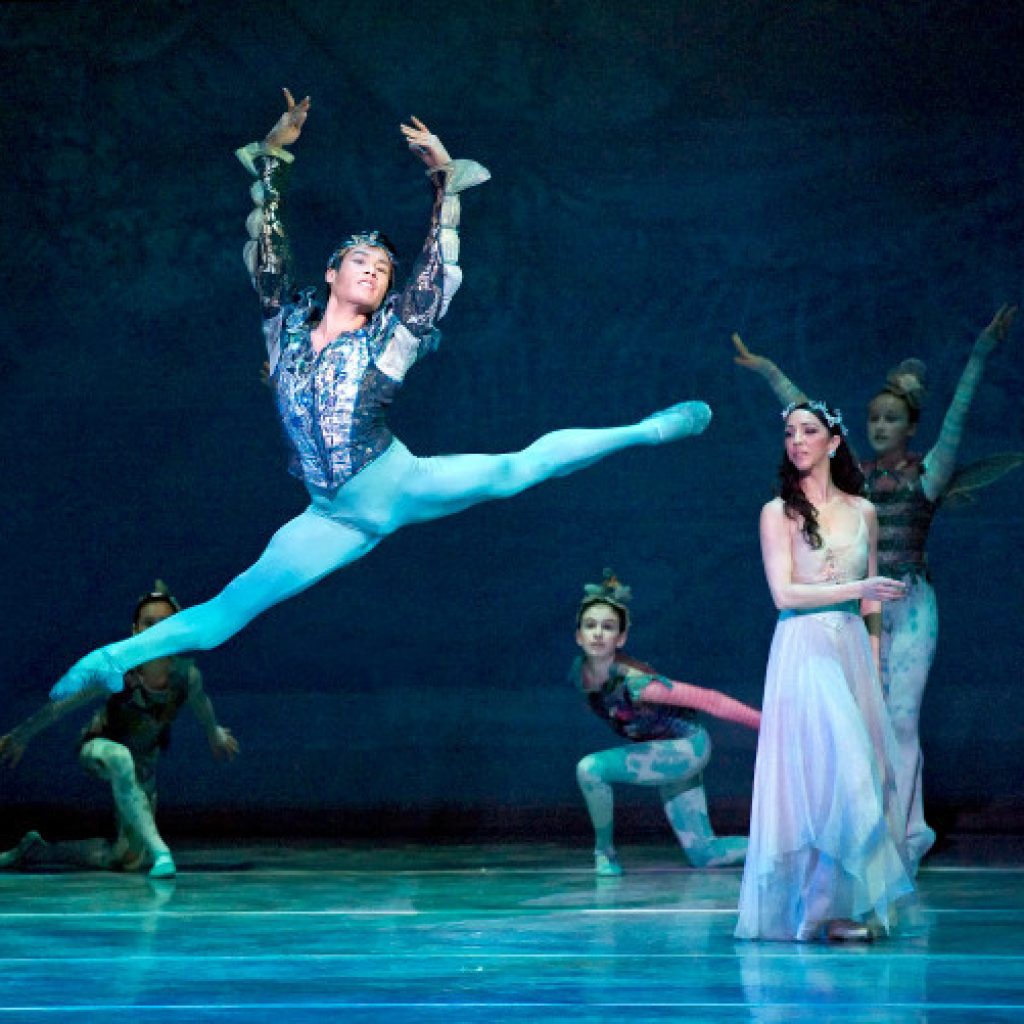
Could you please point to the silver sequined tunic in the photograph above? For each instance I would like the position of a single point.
(332, 404)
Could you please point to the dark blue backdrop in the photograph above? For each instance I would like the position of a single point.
(840, 182)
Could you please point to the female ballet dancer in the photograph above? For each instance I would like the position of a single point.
(122, 744)
(907, 489)
(334, 370)
(826, 843)
(659, 716)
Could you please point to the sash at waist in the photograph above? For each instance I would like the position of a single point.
(850, 607)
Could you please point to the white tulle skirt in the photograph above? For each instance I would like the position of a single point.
(825, 840)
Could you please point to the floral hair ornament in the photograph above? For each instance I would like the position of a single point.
(906, 381)
(833, 419)
(609, 591)
(375, 239)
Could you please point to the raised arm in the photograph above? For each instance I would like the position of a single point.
(686, 695)
(785, 390)
(940, 462)
(436, 275)
(266, 254)
(777, 555)
(221, 740)
(13, 744)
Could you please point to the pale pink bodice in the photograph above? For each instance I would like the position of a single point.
(843, 556)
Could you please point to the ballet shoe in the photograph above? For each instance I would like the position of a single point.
(606, 864)
(844, 930)
(686, 419)
(97, 668)
(163, 866)
(13, 858)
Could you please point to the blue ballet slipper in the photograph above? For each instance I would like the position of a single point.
(96, 669)
(606, 864)
(685, 419)
(163, 866)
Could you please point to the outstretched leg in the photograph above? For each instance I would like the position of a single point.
(447, 484)
(302, 552)
(394, 491)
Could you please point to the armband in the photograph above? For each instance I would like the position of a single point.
(873, 623)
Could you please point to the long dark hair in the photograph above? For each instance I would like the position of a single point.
(845, 468)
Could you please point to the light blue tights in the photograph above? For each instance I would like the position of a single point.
(396, 490)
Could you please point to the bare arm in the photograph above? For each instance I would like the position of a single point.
(686, 695)
(13, 744)
(785, 390)
(221, 740)
(940, 462)
(777, 554)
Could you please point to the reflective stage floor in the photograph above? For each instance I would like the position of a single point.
(510, 932)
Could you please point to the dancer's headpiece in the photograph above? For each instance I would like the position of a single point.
(906, 381)
(833, 419)
(160, 592)
(376, 239)
(609, 591)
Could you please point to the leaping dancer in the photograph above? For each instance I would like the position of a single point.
(334, 369)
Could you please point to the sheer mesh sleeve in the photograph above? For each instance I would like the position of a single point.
(940, 462)
(267, 255)
(785, 390)
(436, 275)
(419, 306)
(53, 711)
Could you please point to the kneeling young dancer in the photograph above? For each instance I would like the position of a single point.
(670, 748)
(122, 745)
